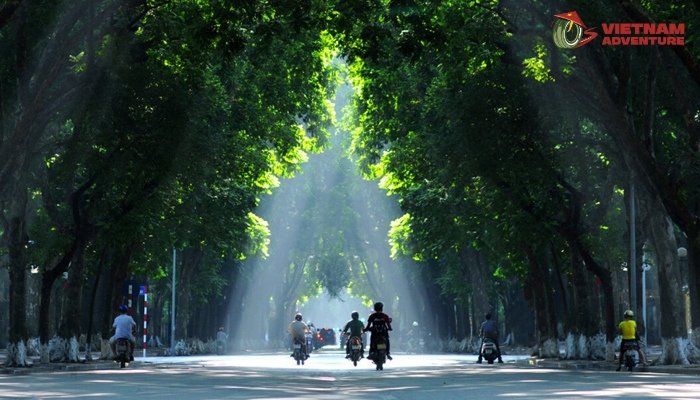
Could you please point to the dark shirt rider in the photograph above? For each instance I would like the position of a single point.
(355, 326)
(489, 329)
(372, 327)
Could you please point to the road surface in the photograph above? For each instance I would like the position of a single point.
(328, 375)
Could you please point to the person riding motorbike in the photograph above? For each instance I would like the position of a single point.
(489, 329)
(356, 327)
(413, 336)
(628, 330)
(313, 332)
(124, 326)
(379, 324)
(221, 338)
(298, 329)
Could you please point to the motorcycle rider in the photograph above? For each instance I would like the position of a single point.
(628, 330)
(124, 327)
(413, 336)
(221, 338)
(313, 331)
(379, 324)
(356, 327)
(489, 329)
(298, 329)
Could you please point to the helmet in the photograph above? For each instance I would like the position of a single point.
(221, 329)
(298, 317)
(123, 308)
(415, 323)
(355, 315)
(378, 306)
(629, 313)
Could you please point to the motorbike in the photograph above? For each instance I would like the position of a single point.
(416, 346)
(355, 349)
(343, 339)
(220, 347)
(122, 348)
(379, 355)
(629, 352)
(488, 350)
(299, 353)
(309, 342)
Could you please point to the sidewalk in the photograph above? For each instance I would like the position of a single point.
(86, 365)
(652, 354)
(692, 369)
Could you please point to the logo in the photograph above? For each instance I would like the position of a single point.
(644, 34)
(568, 30)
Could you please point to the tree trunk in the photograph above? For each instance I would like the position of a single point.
(604, 279)
(670, 288)
(518, 316)
(65, 346)
(477, 272)
(115, 278)
(49, 277)
(190, 261)
(16, 241)
(32, 296)
(91, 307)
(585, 323)
(543, 302)
(562, 285)
(693, 258)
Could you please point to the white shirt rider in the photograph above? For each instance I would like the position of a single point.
(123, 326)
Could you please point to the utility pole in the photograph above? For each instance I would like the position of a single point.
(633, 252)
(172, 315)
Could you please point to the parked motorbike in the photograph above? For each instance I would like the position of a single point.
(488, 350)
(356, 349)
(629, 352)
(379, 355)
(299, 353)
(122, 356)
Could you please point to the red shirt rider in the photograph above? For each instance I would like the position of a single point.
(384, 328)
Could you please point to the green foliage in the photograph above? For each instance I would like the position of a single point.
(535, 67)
(189, 113)
(454, 130)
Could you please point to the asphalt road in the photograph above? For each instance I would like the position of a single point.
(329, 376)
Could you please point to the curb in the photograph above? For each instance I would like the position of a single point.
(61, 367)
